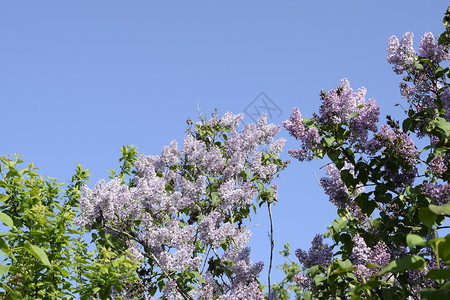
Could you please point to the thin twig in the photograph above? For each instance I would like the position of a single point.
(271, 243)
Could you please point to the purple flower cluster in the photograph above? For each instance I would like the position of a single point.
(342, 104)
(339, 106)
(113, 202)
(319, 253)
(401, 145)
(399, 142)
(308, 136)
(336, 189)
(362, 254)
(437, 166)
(401, 54)
(244, 284)
(304, 281)
(163, 214)
(429, 48)
(439, 193)
(212, 232)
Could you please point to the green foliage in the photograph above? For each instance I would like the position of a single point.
(285, 288)
(45, 256)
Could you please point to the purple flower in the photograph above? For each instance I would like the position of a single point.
(401, 55)
(437, 166)
(308, 136)
(439, 193)
(170, 154)
(429, 48)
(336, 189)
(113, 202)
(362, 254)
(230, 120)
(212, 232)
(304, 281)
(318, 254)
(364, 122)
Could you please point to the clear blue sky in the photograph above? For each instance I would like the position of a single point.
(78, 79)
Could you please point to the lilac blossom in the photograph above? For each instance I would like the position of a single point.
(170, 154)
(398, 142)
(230, 120)
(164, 215)
(212, 232)
(364, 122)
(401, 145)
(113, 202)
(437, 166)
(308, 136)
(260, 168)
(336, 189)
(230, 194)
(401, 54)
(429, 48)
(304, 281)
(341, 106)
(362, 254)
(439, 193)
(319, 253)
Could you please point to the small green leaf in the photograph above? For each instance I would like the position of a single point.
(14, 295)
(6, 219)
(4, 269)
(427, 217)
(440, 209)
(352, 115)
(442, 125)
(334, 155)
(438, 274)
(329, 140)
(3, 198)
(38, 253)
(415, 240)
(4, 246)
(403, 264)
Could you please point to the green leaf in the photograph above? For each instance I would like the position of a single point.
(440, 209)
(403, 264)
(408, 124)
(38, 253)
(329, 140)
(4, 269)
(14, 295)
(352, 115)
(334, 155)
(4, 246)
(440, 72)
(6, 219)
(415, 240)
(442, 125)
(427, 217)
(438, 274)
(3, 198)
(442, 245)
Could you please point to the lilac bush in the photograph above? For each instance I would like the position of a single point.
(392, 197)
(183, 213)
